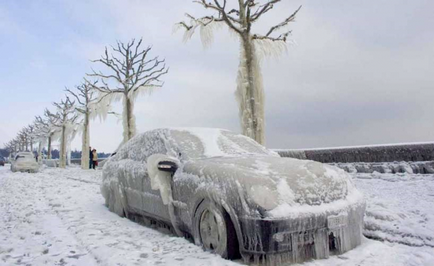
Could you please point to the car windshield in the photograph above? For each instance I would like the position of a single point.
(202, 143)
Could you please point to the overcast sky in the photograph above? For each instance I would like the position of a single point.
(359, 72)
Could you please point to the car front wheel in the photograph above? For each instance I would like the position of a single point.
(214, 230)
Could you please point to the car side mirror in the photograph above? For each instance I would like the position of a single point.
(167, 166)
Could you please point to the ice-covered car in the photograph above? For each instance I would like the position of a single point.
(25, 162)
(234, 196)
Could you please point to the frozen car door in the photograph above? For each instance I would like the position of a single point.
(152, 202)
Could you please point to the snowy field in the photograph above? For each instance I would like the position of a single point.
(58, 217)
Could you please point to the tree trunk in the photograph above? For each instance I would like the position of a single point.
(40, 152)
(85, 143)
(62, 163)
(129, 122)
(250, 92)
(49, 147)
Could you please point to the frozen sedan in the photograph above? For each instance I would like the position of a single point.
(233, 196)
(25, 162)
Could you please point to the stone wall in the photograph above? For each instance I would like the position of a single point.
(387, 153)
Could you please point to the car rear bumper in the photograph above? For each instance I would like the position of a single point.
(302, 238)
(26, 168)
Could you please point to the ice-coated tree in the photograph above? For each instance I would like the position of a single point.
(52, 120)
(239, 18)
(129, 72)
(85, 98)
(44, 131)
(16, 145)
(30, 129)
(40, 134)
(13, 147)
(64, 119)
(23, 138)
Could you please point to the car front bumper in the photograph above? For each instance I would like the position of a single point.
(313, 236)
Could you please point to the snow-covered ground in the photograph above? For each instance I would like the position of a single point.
(57, 217)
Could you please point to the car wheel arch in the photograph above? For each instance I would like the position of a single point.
(227, 209)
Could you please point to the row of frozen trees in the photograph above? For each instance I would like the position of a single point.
(130, 70)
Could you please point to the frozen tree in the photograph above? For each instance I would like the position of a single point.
(85, 98)
(44, 131)
(13, 147)
(129, 72)
(30, 129)
(40, 134)
(16, 145)
(239, 18)
(52, 120)
(64, 119)
(23, 138)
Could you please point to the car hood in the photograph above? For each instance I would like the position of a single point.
(270, 181)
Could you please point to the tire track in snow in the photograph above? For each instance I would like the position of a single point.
(113, 240)
(31, 233)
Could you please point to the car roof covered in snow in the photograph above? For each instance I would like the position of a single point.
(191, 143)
(211, 142)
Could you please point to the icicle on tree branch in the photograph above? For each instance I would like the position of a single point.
(129, 72)
(85, 97)
(239, 19)
(64, 119)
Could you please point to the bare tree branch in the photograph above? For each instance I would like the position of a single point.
(284, 23)
(263, 9)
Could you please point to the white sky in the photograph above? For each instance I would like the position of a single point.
(360, 72)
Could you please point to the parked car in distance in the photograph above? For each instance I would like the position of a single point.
(2, 161)
(25, 162)
(233, 196)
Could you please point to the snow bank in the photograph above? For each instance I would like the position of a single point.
(399, 207)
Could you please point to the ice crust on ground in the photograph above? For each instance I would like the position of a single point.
(399, 207)
(58, 217)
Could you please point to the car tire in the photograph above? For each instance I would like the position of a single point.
(214, 230)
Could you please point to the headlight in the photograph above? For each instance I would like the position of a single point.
(264, 196)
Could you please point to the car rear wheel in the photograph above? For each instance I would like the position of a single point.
(215, 231)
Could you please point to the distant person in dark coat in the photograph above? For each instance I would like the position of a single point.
(94, 158)
(90, 158)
